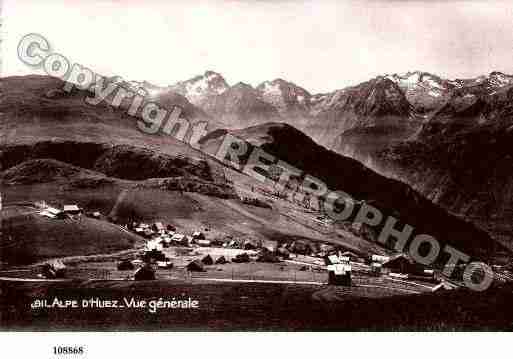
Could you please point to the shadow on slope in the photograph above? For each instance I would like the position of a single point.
(342, 173)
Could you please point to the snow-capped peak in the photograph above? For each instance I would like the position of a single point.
(283, 94)
(270, 88)
(411, 80)
(143, 88)
(200, 87)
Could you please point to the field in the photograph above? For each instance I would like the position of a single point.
(28, 237)
(290, 295)
(223, 218)
(252, 306)
(234, 296)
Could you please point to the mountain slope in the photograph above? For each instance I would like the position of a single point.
(346, 174)
(363, 119)
(239, 106)
(38, 120)
(462, 158)
(52, 140)
(417, 127)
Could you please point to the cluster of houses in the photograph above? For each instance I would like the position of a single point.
(400, 266)
(67, 211)
(144, 272)
(53, 269)
(160, 236)
(70, 210)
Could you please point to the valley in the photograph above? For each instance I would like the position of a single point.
(57, 150)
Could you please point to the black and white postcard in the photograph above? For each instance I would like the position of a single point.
(238, 165)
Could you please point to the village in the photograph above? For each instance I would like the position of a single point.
(167, 252)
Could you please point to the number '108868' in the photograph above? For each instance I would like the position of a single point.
(63, 350)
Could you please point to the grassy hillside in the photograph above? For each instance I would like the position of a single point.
(345, 174)
(28, 237)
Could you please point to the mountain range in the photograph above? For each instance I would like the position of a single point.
(446, 138)
(41, 124)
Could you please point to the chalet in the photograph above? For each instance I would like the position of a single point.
(271, 246)
(154, 255)
(339, 274)
(71, 209)
(125, 265)
(217, 243)
(167, 264)
(248, 245)
(352, 256)
(221, 260)
(196, 236)
(327, 248)
(165, 240)
(207, 260)
(158, 227)
(51, 212)
(376, 268)
(379, 259)
(53, 269)
(179, 239)
(267, 256)
(331, 259)
(153, 245)
(144, 273)
(301, 247)
(241, 258)
(283, 252)
(203, 242)
(195, 266)
(400, 263)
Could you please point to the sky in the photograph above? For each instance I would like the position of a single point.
(320, 45)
